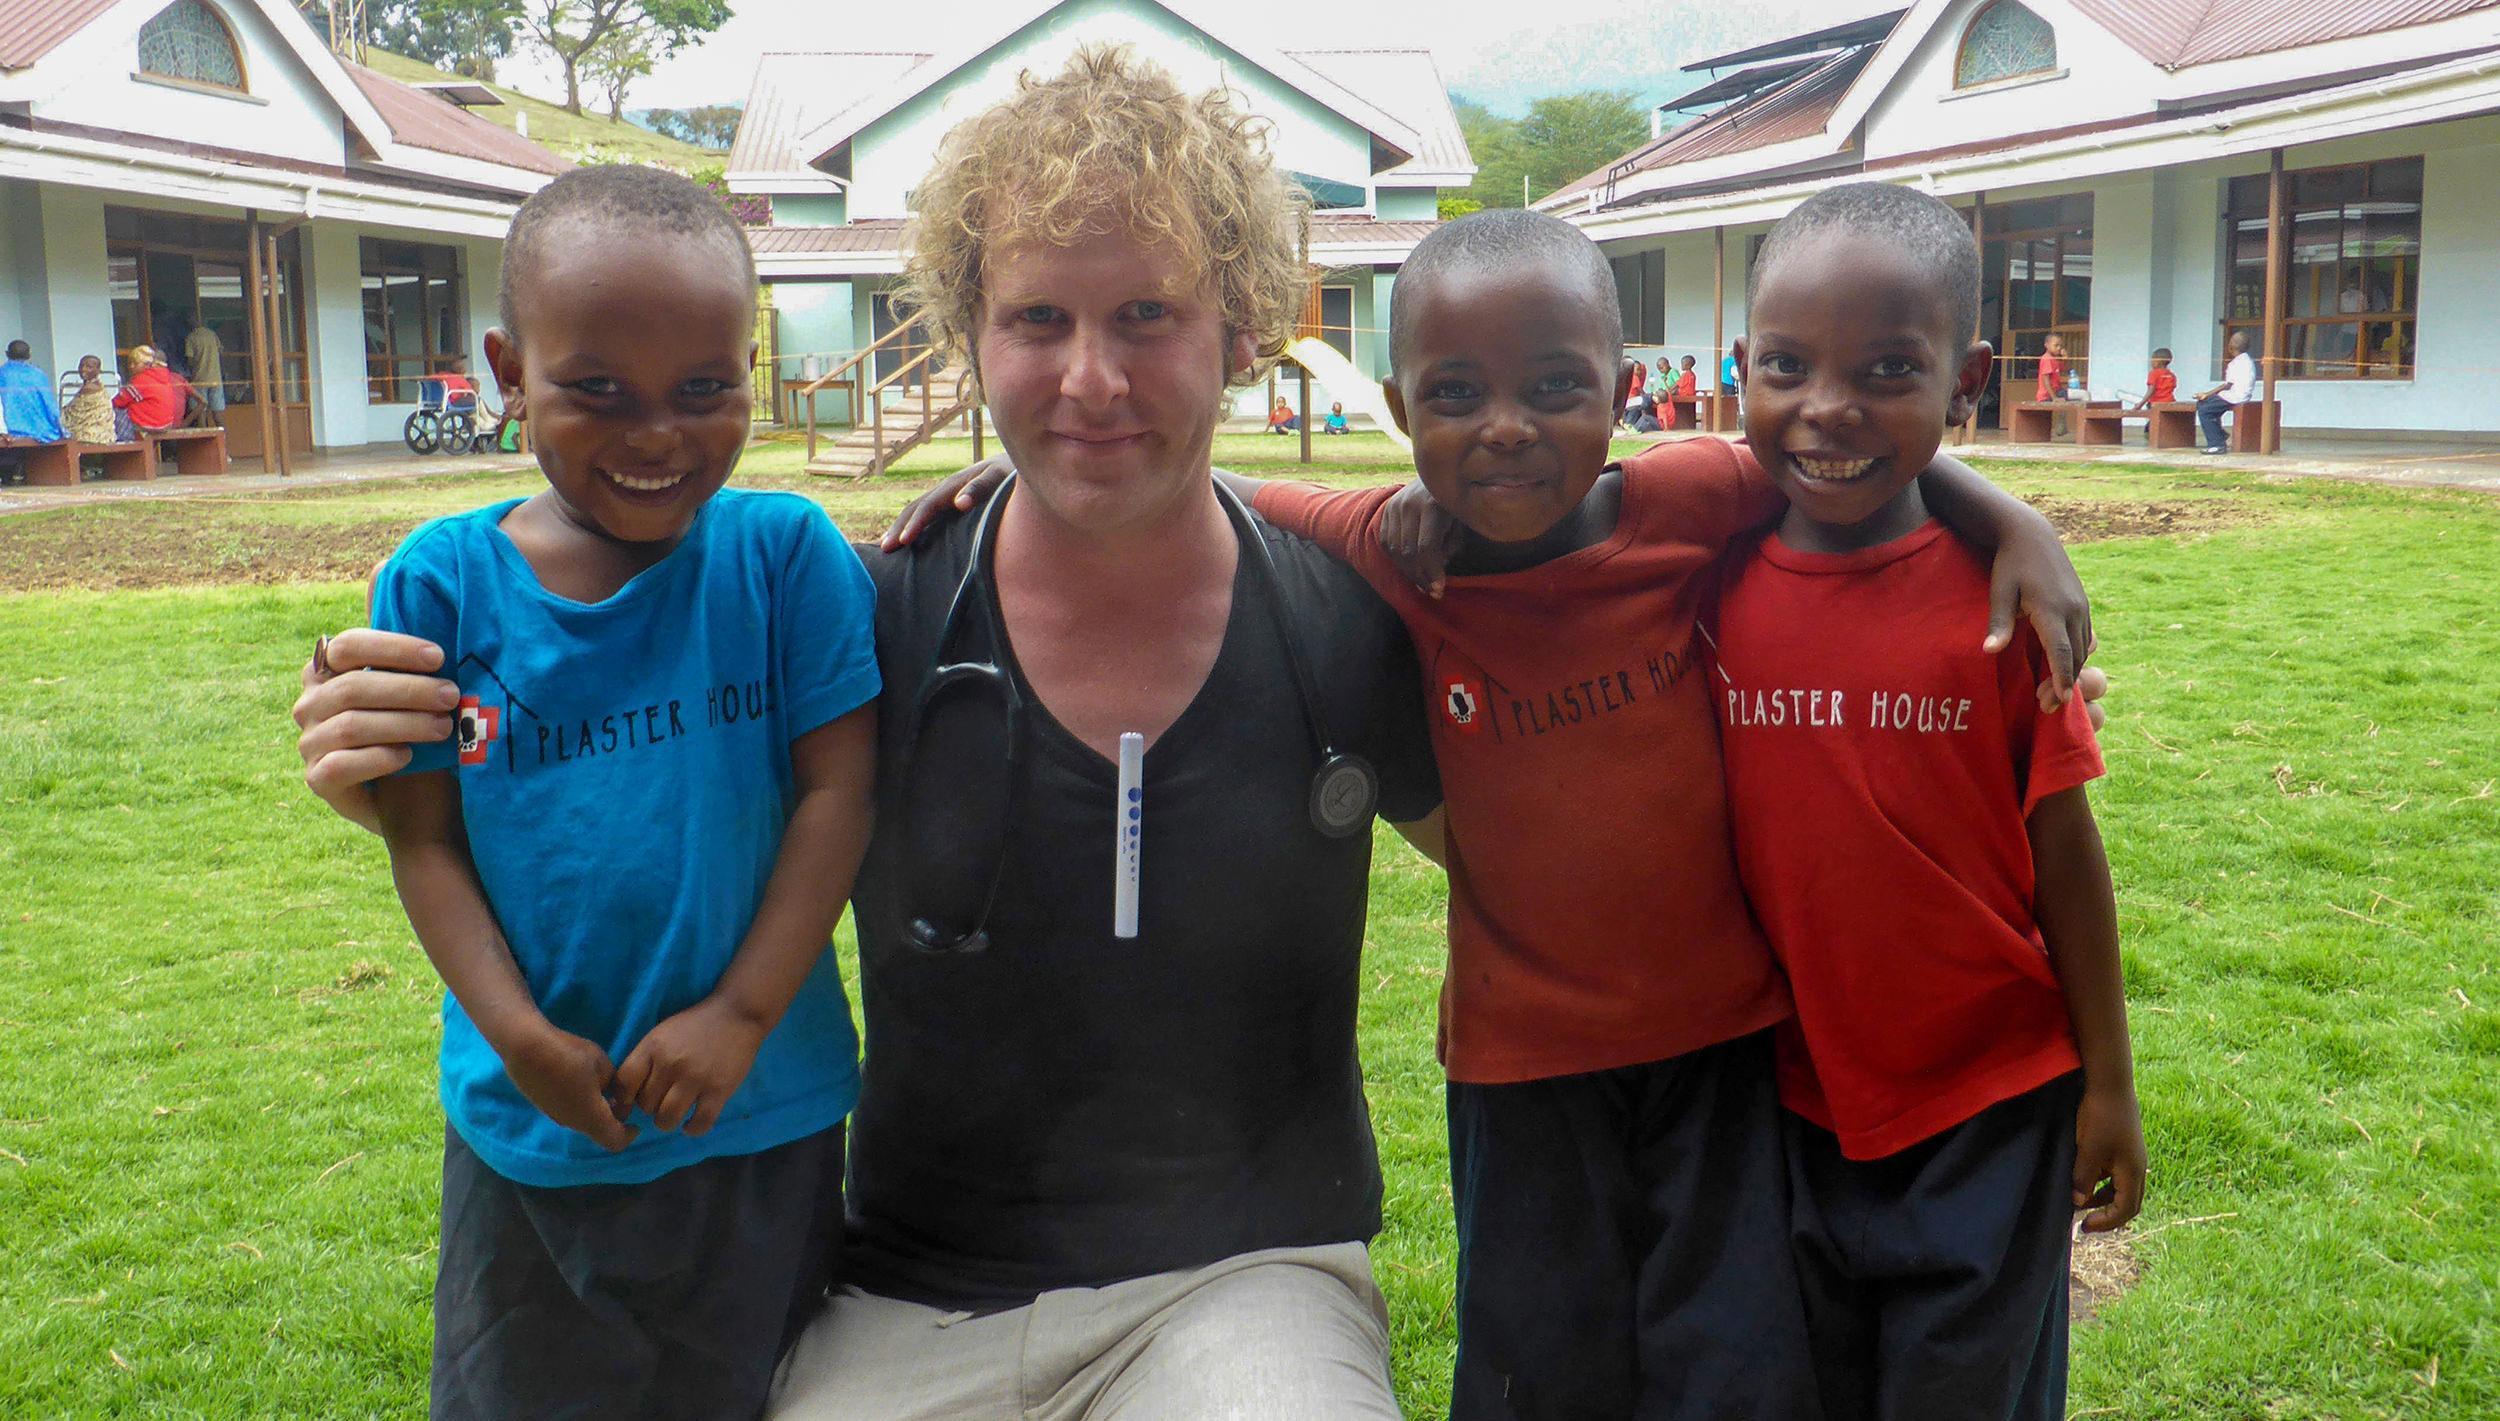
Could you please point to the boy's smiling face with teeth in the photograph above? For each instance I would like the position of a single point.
(1852, 372)
(633, 363)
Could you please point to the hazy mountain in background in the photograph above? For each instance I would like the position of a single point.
(1641, 52)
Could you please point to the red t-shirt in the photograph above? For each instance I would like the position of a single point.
(1880, 768)
(1595, 916)
(155, 397)
(2052, 379)
(1685, 384)
(2161, 386)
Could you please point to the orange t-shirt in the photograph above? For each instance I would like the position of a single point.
(1685, 384)
(1596, 919)
(2161, 386)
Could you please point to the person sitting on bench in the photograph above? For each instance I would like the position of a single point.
(2161, 385)
(2238, 387)
(154, 395)
(26, 399)
(89, 415)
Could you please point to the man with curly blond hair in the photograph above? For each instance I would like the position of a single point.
(1093, 1175)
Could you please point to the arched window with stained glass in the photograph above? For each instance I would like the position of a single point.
(190, 41)
(2004, 41)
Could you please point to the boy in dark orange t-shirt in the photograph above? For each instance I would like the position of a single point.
(1912, 829)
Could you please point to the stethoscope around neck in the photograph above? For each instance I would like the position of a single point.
(1345, 789)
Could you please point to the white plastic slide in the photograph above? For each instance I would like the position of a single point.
(1336, 381)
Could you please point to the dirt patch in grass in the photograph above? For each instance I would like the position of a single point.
(2104, 1268)
(151, 547)
(2091, 520)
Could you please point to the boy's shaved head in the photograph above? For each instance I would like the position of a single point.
(1930, 230)
(1501, 237)
(610, 200)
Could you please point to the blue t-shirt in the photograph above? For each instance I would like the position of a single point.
(1727, 371)
(624, 772)
(28, 403)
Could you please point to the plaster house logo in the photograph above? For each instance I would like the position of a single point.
(477, 729)
(484, 719)
(1463, 691)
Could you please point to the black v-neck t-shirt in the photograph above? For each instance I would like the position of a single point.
(1070, 1109)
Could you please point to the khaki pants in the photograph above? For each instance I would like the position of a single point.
(1277, 1335)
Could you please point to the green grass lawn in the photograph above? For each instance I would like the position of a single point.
(219, 1138)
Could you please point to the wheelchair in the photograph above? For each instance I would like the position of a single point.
(443, 422)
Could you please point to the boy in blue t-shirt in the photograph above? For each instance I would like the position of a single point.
(637, 845)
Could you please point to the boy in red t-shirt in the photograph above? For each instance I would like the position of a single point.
(1687, 383)
(1911, 825)
(2161, 384)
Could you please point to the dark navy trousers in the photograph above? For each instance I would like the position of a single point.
(1935, 1278)
(1623, 1249)
(672, 1299)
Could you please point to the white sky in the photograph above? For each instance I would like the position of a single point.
(1459, 32)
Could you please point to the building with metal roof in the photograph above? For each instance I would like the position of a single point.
(838, 140)
(2142, 174)
(172, 163)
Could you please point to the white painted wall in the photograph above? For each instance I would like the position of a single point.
(1921, 110)
(2123, 333)
(343, 416)
(76, 300)
(892, 156)
(21, 264)
(285, 113)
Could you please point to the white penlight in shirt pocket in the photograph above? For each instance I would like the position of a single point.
(1128, 834)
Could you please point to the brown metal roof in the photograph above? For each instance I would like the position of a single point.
(1796, 109)
(884, 236)
(876, 234)
(29, 29)
(1331, 230)
(2179, 33)
(421, 120)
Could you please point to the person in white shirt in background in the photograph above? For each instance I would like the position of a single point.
(2238, 387)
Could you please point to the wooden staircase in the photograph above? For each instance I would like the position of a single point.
(880, 437)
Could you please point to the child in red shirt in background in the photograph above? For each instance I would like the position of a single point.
(1912, 829)
(2161, 384)
(1688, 382)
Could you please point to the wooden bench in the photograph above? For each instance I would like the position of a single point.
(196, 451)
(1719, 414)
(1687, 411)
(2168, 425)
(135, 460)
(2249, 423)
(51, 463)
(2034, 421)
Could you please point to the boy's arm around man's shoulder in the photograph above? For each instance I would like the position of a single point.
(2029, 574)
